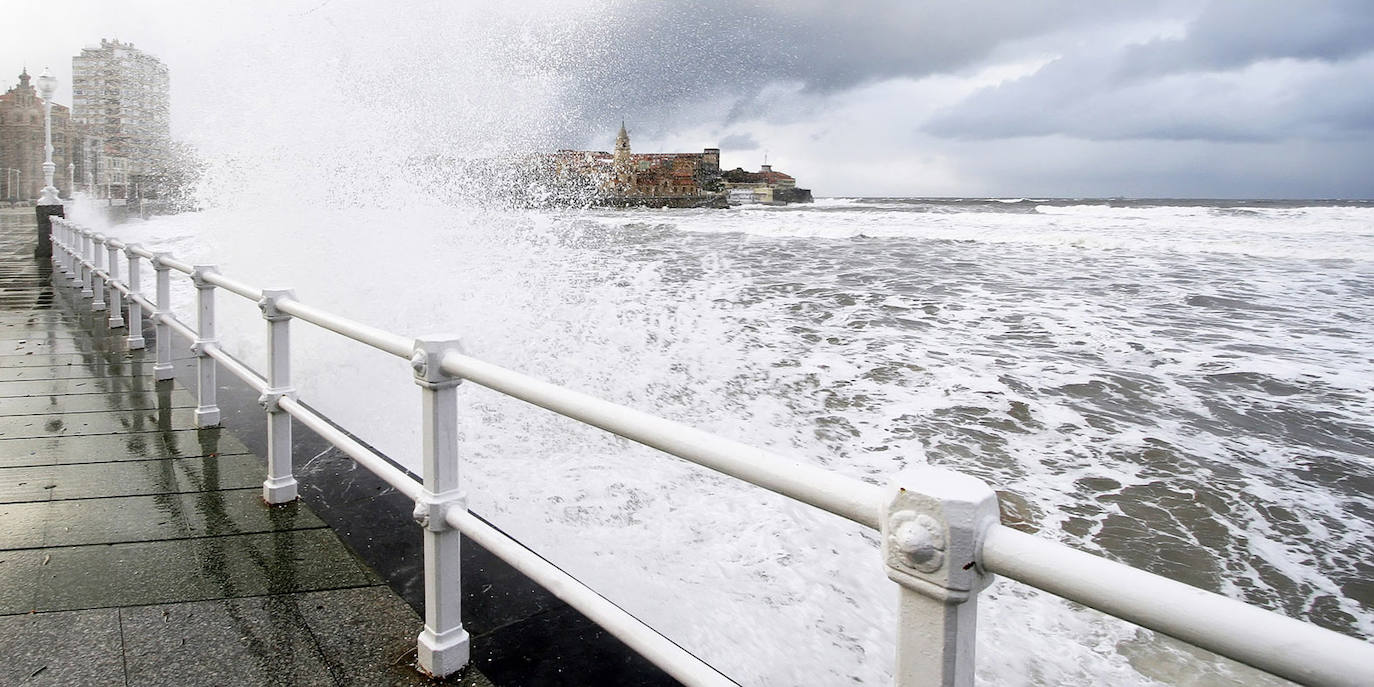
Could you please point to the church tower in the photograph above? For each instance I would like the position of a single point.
(621, 165)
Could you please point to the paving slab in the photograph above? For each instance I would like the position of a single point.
(366, 637)
(150, 398)
(94, 360)
(120, 364)
(126, 519)
(40, 331)
(62, 649)
(37, 346)
(253, 641)
(130, 478)
(58, 423)
(27, 373)
(21, 317)
(18, 301)
(115, 448)
(64, 387)
(46, 332)
(19, 572)
(141, 573)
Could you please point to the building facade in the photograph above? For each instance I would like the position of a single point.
(121, 97)
(22, 141)
(764, 187)
(659, 175)
(624, 177)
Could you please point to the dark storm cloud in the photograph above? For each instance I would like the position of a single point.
(659, 56)
(1164, 98)
(739, 142)
(1076, 96)
(1231, 34)
(1238, 74)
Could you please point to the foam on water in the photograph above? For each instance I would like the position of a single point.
(1175, 387)
(1308, 232)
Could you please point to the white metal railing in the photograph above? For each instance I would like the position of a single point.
(942, 541)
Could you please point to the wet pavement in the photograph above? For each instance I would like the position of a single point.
(136, 549)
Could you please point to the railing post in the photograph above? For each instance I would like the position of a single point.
(207, 413)
(933, 531)
(443, 646)
(162, 369)
(59, 239)
(135, 340)
(111, 277)
(87, 265)
(74, 244)
(64, 260)
(280, 486)
(97, 284)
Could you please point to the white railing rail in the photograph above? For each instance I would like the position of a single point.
(942, 541)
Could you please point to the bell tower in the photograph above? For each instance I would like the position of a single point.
(622, 165)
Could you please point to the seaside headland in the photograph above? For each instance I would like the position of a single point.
(662, 180)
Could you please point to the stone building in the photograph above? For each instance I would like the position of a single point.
(624, 177)
(765, 187)
(662, 175)
(121, 95)
(21, 143)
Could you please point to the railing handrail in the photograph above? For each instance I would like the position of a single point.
(830, 491)
(1267, 640)
(1258, 637)
(648, 642)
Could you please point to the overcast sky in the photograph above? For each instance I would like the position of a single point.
(1182, 99)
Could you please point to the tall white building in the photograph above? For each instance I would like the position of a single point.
(120, 97)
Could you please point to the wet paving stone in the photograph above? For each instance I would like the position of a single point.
(113, 448)
(150, 398)
(95, 360)
(130, 478)
(59, 423)
(19, 572)
(27, 373)
(84, 385)
(191, 570)
(48, 333)
(62, 649)
(256, 641)
(147, 518)
(37, 346)
(365, 636)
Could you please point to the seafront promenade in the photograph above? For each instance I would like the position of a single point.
(246, 592)
(135, 548)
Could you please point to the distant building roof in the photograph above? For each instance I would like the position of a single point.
(739, 176)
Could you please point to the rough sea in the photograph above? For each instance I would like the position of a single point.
(1184, 386)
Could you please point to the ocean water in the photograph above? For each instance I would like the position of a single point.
(1184, 386)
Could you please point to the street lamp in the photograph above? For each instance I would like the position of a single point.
(71, 179)
(47, 84)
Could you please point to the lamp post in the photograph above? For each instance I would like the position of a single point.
(48, 204)
(71, 179)
(47, 84)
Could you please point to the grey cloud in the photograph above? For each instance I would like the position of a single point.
(1056, 166)
(1208, 85)
(658, 57)
(739, 142)
(1229, 34)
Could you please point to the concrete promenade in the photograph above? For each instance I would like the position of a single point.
(135, 549)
